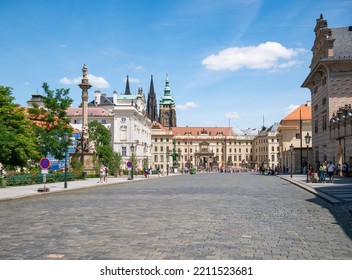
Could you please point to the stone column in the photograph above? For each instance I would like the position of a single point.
(84, 85)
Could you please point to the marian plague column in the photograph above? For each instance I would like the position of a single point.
(85, 147)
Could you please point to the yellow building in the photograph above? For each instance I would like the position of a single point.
(292, 131)
(266, 148)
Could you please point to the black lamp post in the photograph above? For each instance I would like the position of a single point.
(167, 160)
(307, 137)
(132, 168)
(66, 139)
(180, 157)
(291, 149)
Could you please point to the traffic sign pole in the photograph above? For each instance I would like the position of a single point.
(44, 165)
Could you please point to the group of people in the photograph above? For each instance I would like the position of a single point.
(326, 169)
(330, 169)
(103, 174)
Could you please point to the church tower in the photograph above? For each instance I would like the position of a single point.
(167, 110)
(152, 109)
(127, 89)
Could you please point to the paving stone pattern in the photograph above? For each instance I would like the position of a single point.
(192, 217)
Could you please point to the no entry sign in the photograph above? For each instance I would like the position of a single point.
(44, 163)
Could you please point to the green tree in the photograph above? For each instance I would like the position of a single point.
(101, 136)
(145, 163)
(77, 166)
(18, 142)
(115, 163)
(133, 159)
(52, 122)
(99, 133)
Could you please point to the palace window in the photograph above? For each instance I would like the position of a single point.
(323, 102)
(123, 130)
(316, 126)
(123, 151)
(324, 122)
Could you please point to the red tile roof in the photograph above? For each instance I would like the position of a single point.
(95, 111)
(195, 131)
(304, 110)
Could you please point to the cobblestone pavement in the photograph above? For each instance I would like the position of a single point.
(203, 216)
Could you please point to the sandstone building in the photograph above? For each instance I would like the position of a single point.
(330, 85)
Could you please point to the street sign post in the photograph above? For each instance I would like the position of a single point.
(129, 165)
(44, 165)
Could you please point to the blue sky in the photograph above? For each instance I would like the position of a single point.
(236, 60)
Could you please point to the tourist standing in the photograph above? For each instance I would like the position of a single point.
(322, 172)
(331, 170)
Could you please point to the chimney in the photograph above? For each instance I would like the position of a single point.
(308, 103)
(114, 97)
(97, 94)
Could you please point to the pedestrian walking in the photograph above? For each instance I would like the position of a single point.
(322, 173)
(106, 170)
(345, 169)
(331, 170)
(338, 170)
(102, 173)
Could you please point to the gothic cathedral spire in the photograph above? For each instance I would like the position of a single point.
(152, 109)
(127, 90)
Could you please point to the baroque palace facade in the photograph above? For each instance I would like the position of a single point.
(204, 148)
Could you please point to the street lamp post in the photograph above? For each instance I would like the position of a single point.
(180, 156)
(132, 168)
(66, 139)
(307, 137)
(167, 161)
(291, 149)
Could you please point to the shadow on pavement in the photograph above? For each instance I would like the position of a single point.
(342, 214)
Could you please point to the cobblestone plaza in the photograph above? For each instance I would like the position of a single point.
(192, 217)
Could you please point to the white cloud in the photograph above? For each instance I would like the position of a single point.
(232, 115)
(191, 104)
(97, 82)
(291, 108)
(264, 56)
(67, 81)
(187, 105)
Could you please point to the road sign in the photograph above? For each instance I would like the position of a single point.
(129, 164)
(44, 163)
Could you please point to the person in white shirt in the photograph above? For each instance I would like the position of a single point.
(331, 170)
